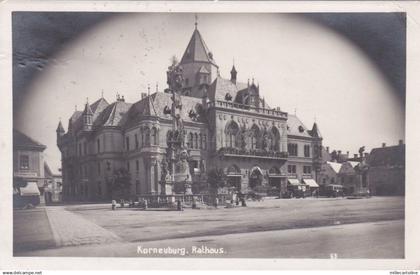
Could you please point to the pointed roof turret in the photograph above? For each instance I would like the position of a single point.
(315, 131)
(60, 128)
(197, 50)
(233, 74)
(88, 109)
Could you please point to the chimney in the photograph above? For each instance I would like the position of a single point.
(355, 156)
(366, 155)
(348, 153)
(383, 144)
(328, 149)
(400, 142)
(143, 95)
(339, 152)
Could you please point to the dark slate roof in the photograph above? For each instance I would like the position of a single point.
(391, 155)
(315, 131)
(154, 105)
(197, 50)
(87, 110)
(220, 87)
(295, 127)
(60, 127)
(99, 105)
(20, 140)
(113, 115)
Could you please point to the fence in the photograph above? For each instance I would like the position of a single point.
(162, 201)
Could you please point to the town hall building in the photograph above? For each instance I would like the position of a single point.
(228, 126)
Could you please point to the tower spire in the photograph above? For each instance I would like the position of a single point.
(196, 21)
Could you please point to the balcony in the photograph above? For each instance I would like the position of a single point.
(244, 107)
(256, 153)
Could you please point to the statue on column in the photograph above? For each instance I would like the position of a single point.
(177, 154)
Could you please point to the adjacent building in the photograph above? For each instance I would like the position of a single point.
(386, 174)
(28, 168)
(228, 125)
(52, 185)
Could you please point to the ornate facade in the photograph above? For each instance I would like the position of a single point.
(226, 125)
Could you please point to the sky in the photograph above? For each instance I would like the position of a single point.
(344, 71)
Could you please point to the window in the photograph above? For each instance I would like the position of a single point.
(291, 169)
(231, 133)
(187, 82)
(204, 141)
(190, 140)
(137, 166)
(307, 151)
(136, 140)
(98, 145)
(80, 149)
(147, 134)
(128, 166)
(127, 143)
(307, 169)
(196, 141)
(24, 162)
(154, 136)
(99, 168)
(201, 141)
(99, 188)
(84, 148)
(292, 148)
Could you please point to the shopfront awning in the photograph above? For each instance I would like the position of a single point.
(310, 182)
(294, 182)
(31, 189)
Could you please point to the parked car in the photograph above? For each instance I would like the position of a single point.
(334, 190)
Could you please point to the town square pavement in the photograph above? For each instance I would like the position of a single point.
(298, 228)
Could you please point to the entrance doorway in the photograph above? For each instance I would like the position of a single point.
(234, 181)
(255, 177)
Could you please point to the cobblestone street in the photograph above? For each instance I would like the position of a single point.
(95, 227)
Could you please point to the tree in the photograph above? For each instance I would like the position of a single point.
(120, 183)
(216, 178)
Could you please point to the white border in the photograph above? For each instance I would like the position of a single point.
(412, 260)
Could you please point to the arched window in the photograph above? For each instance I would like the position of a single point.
(254, 136)
(147, 136)
(154, 136)
(201, 141)
(143, 139)
(190, 140)
(275, 136)
(231, 131)
(196, 141)
(205, 142)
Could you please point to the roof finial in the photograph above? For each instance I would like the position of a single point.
(148, 89)
(196, 21)
(315, 118)
(233, 61)
(102, 93)
(75, 108)
(87, 100)
(157, 87)
(295, 111)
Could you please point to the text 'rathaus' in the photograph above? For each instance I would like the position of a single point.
(203, 132)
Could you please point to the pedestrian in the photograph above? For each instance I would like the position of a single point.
(243, 202)
(145, 204)
(179, 205)
(114, 204)
(216, 202)
(194, 203)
